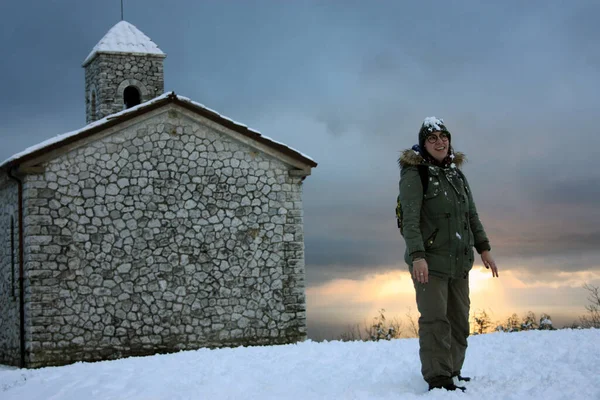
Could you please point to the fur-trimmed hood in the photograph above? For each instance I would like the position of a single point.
(411, 157)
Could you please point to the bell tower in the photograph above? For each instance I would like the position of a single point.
(123, 70)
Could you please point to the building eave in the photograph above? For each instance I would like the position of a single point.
(110, 121)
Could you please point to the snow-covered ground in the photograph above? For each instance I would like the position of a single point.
(562, 364)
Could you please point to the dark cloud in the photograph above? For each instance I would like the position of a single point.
(329, 258)
(550, 244)
(568, 192)
(336, 123)
(555, 277)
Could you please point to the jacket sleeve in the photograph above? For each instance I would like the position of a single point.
(482, 242)
(411, 199)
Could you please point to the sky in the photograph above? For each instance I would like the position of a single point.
(499, 365)
(349, 83)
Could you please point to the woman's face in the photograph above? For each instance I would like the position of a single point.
(437, 144)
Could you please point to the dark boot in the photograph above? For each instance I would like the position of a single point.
(443, 382)
(448, 386)
(460, 377)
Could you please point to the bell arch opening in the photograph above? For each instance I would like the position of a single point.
(131, 97)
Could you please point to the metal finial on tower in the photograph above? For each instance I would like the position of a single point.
(121, 10)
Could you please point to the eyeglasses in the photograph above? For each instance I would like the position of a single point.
(432, 138)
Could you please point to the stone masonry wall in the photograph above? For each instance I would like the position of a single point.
(109, 74)
(168, 235)
(9, 272)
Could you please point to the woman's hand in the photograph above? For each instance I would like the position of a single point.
(420, 271)
(489, 262)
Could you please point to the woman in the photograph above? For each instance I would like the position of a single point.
(440, 226)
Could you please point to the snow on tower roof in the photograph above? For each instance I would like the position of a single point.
(124, 38)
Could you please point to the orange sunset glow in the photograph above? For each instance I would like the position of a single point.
(357, 301)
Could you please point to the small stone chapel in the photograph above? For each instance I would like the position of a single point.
(160, 226)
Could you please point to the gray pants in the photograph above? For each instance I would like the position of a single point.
(443, 327)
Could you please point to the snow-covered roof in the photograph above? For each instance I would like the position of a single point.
(113, 119)
(124, 38)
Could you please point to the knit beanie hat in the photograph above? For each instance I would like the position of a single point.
(430, 125)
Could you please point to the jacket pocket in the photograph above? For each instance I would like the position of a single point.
(431, 239)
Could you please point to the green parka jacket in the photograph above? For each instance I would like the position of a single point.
(440, 225)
